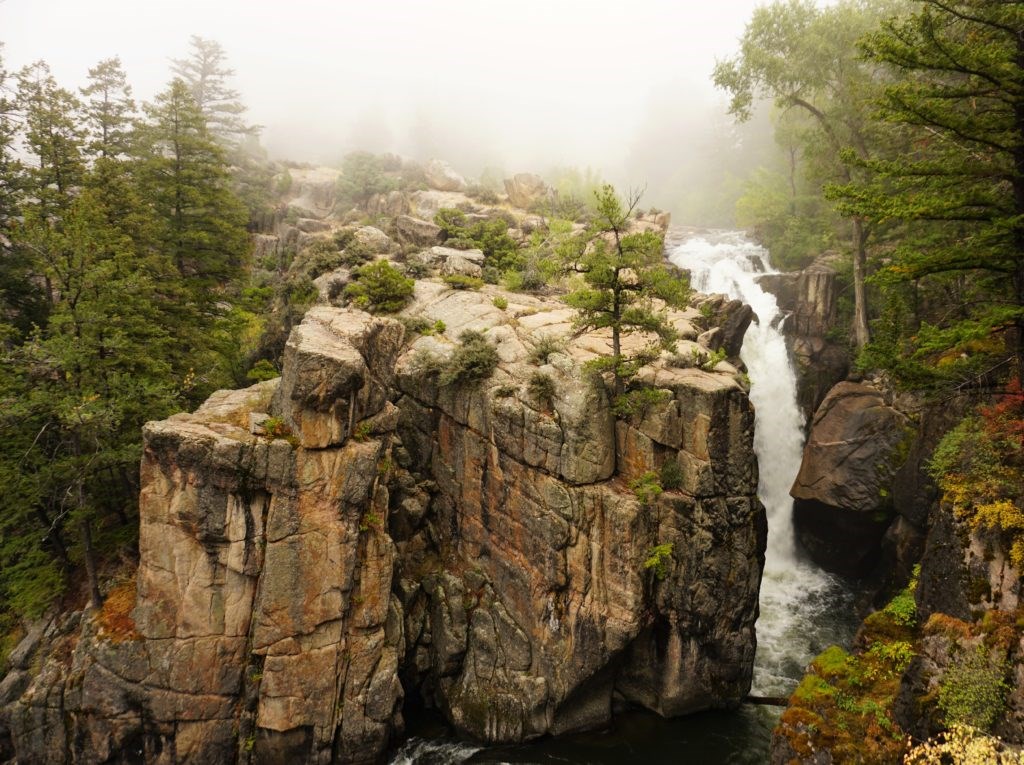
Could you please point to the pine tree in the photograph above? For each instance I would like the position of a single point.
(201, 223)
(624, 274)
(53, 137)
(75, 394)
(959, 193)
(109, 109)
(206, 74)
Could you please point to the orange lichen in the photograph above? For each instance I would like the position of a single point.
(115, 620)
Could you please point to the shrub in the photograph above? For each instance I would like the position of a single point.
(415, 325)
(356, 253)
(380, 288)
(543, 347)
(463, 282)
(646, 487)
(482, 194)
(425, 362)
(542, 388)
(500, 302)
(320, 257)
(417, 269)
(491, 236)
(275, 427)
(262, 370)
(639, 401)
(980, 468)
(964, 745)
(475, 359)
(671, 475)
(658, 559)
(505, 391)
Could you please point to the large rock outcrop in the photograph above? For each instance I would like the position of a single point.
(314, 548)
(545, 541)
(843, 492)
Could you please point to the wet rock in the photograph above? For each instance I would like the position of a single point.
(843, 492)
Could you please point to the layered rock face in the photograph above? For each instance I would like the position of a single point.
(317, 547)
(810, 298)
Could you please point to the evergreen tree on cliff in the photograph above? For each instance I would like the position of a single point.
(959, 99)
(625, 277)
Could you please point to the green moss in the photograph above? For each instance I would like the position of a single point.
(832, 662)
(973, 689)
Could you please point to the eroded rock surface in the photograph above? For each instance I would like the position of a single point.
(843, 492)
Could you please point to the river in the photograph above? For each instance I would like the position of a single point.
(803, 609)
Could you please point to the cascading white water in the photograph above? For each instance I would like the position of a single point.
(799, 614)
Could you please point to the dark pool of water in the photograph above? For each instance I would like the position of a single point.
(635, 738)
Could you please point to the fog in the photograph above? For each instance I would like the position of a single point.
(621, 88)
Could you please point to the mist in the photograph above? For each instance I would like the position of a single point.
(623, 89)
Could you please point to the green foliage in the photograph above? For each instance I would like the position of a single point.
(491, 236)
(275, 427)
(979, 466)
(639, 401)
(957, 268)
(658, 560)
(671, 475)
(262, 370)
(363, 430)
(380, 288)
(544, 347)
(973, 689)
(541, 388)
(463, 282)
(473, 360)
(623, 275)
(205, 72)
(185, 177)
(902, 609)
(896, 656)
(362, 176)
(646, 487)
(794, 227)
(500, 302)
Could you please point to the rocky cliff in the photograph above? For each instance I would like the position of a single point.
(316, 548)
(810, 300)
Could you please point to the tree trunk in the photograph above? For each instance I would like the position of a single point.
(861, 332)
(90, 564)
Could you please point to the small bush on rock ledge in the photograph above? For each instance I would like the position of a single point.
(380, 288)
(474, 360)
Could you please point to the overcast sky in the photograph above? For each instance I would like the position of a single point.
(504, 83)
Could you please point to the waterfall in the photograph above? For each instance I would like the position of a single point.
(803, 608)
